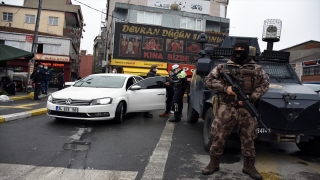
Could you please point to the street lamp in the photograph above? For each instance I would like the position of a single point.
(271, 32)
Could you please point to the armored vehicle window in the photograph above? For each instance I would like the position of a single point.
(276, 69)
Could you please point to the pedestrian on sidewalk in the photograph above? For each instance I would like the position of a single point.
(36, 77)
(46, 77)
(61, 82)
(8, 85)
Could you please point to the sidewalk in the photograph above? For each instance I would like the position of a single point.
(24, 95)
(22, 105)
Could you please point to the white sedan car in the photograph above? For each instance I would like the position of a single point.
(107, 97)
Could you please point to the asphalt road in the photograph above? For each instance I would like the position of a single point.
(21, 106)
(41, 147)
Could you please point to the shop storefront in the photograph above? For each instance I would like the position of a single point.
(55, 63)
(139, 68)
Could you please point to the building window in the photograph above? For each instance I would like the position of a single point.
(53, 21)
(309, 71)
(191, 23)
(30, 18)
(149, 18)
(16, 44)
(7, 16)
(51, 49)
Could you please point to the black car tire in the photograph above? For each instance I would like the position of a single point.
(192, 115)
(312, 147)
(119, 113)
(207, 137)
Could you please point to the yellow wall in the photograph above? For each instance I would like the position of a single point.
(19, 18)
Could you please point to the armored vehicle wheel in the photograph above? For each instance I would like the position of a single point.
(192, 115)
(312, 147)
(208, 139)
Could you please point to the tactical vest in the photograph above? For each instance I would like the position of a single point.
(246, 76)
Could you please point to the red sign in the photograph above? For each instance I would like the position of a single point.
(53, 64)
(29, 38)
(52, 57)
(188, 68)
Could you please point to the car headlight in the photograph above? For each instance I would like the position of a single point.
(50, 98)
(101, 101)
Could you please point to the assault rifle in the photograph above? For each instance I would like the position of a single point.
(243, 97)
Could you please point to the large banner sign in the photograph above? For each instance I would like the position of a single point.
(156, 43)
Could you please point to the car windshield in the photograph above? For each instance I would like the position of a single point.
(279, 70)
(101, 82)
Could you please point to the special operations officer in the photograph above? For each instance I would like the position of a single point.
(179, 80)
(232, 112)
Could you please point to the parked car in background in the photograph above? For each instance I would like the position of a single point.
(108, 97)
(315, 87)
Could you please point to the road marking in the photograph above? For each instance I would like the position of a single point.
(267, 165)
(16, 171)
(25, 106)
(158, 159)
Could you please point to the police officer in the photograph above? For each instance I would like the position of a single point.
(179, 80)
(37, 79)
(232, 112)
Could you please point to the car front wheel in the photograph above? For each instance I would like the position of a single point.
(119, 113)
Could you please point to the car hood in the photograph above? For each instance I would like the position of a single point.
(85, 93)
(298, 90)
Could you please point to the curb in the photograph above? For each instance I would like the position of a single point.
(20, 98)
(15, 116)
(29, 96)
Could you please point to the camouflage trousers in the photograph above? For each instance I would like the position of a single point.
(224, 122)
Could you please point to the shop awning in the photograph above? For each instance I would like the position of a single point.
(142, 71)
(9, 53)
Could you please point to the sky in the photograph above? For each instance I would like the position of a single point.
(300, 20)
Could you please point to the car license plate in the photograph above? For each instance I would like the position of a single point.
(67, 109)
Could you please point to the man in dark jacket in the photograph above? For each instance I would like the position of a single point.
(36, 77)
(151, 73)
(8, 85)
(46, 77)
(170, 93)
(61, 80)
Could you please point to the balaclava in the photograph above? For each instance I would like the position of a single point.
(240, 55)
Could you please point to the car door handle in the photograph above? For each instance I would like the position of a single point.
(160, 94)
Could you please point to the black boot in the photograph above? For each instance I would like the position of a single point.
(248, 168)
(175, 118)
(212, 166)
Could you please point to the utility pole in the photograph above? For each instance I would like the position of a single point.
(106, 38)
(35, 41)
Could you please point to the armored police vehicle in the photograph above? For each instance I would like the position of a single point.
(289, 110)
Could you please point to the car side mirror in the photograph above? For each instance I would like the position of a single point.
(135, 87)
